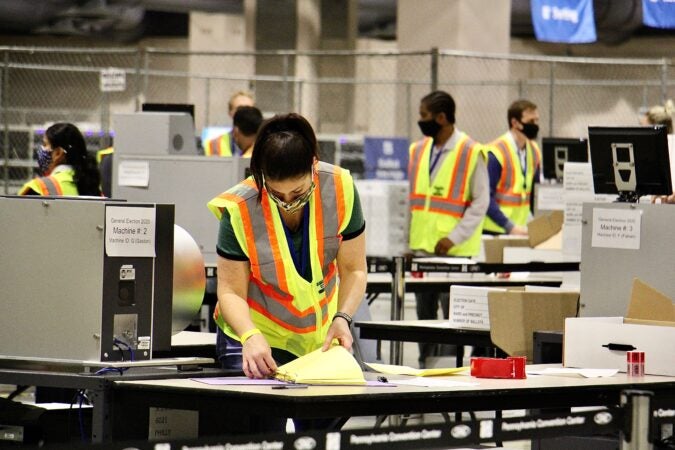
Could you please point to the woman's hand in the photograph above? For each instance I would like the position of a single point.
(339, 330)
(257, 361)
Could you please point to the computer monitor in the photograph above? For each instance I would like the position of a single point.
(170, 107)
(630, 161)
(557, 151)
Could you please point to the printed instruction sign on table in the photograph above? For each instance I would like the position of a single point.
(130, 231)
(469, 307)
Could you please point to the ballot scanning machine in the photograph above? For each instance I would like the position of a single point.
(88, 279)
(149, 167)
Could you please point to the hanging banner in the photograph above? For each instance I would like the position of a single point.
(564, 21)
(658, 13)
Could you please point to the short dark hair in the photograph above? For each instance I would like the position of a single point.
(247, 119)
(516, 109)
(285, 148)
(440, 102)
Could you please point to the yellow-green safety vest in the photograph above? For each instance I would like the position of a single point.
(60, 183)
(515, 187)
(293, 314)
(437, 206)
(220, 146)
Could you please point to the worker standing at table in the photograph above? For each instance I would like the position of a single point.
(291, 245)
(449, 195)
(514, 166)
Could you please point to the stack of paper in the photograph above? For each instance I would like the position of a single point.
(335, 366)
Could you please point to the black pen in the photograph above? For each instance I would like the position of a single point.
(291, 386)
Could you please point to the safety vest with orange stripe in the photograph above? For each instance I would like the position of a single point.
(220, 146)
(437, 206)
(515, 187)
(293, 314)
(58, 183)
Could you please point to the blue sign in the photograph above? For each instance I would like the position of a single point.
(564, 21)
(658, 13)
(386, 158)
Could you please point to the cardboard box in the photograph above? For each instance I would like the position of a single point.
(544, 232)
(649, 326)
(543, 227)
(494, 247)
(516, 314)
(512, 315)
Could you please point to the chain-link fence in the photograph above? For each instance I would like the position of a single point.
(341, 92)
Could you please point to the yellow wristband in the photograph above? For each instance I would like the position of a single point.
(244, 337)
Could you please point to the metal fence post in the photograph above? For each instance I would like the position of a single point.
(105, 117)
(434, 69)
(207, 107)
(551, 95)
(408, 107)
(5, 118)
(285, 83)
(137, 81)
(664, 81)
(146, 66)
(298, 95)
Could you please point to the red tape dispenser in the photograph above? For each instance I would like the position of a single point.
(512, 367)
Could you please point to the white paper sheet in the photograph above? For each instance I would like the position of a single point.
(566, 371)
(432, 382)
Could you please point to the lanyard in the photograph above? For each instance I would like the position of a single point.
(300, 259)
(433, 164)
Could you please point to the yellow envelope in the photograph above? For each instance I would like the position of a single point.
(405, 370)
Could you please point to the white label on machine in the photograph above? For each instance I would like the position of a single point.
(129, 231)
(133, 173)
(616, 228)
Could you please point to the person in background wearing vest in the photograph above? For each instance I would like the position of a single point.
(514, 165)
(449, 194)
(67, 168)
(245, 125)
(225, 145)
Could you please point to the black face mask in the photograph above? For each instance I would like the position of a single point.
(530, 130)
(429, 128)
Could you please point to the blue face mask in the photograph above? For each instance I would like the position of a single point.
(44, 159)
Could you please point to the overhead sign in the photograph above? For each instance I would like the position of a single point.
(386, 158)
(564, 21)
(658, 13)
